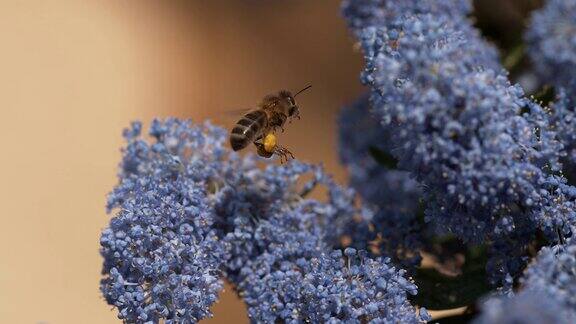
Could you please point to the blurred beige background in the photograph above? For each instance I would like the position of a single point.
(74, 73)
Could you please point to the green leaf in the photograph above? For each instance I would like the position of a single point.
(384, 158)
(514, 57)
(438, 291)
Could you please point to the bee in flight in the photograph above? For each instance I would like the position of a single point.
(258, 126)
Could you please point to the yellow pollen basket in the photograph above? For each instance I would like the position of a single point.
(270, 143)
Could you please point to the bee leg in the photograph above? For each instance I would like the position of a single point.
(283, 153)
(291, 155)
(278, 151)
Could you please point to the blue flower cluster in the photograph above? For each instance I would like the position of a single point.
(525, 308)
(554, 273)
(329, 288)
(548, 293)
(372, 14)
(551, 40)
(162, 258)
(190, 212)
(487, 157)
(564, 119)
(392, 195)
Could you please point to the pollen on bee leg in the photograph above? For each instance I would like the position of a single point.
(270, 142)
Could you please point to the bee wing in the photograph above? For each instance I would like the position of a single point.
(231, 112)
(230, 115)
(237, 112)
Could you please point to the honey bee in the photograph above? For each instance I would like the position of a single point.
(258, 125)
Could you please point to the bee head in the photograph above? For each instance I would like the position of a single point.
(293, 111)
(292, 108)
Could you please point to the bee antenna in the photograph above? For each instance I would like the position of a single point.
(299, 92)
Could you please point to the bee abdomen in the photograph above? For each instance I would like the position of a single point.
(246, 129)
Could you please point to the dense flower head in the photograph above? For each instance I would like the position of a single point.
(363, 13)
(487, 157)
(161, 257)
(564, 119)
(392, 195)
(367, 14)
(554, 272)
(329, 288)
(534, 307)
(269, 212)
(551, 40)
(458, 126)
(359, 134)
(547, 293)
(189, 213)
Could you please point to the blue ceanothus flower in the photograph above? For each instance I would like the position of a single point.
(189, 213)
(551, 39)
(486, 156)
(564, 119)
(554, 272)
(392, 195)
(547, 293)
(362, 14)
(533, 307)
(162, 257)
(329, 288)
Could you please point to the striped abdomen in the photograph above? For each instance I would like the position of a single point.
(247, 129)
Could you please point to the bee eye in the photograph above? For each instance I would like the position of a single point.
(292, 111)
